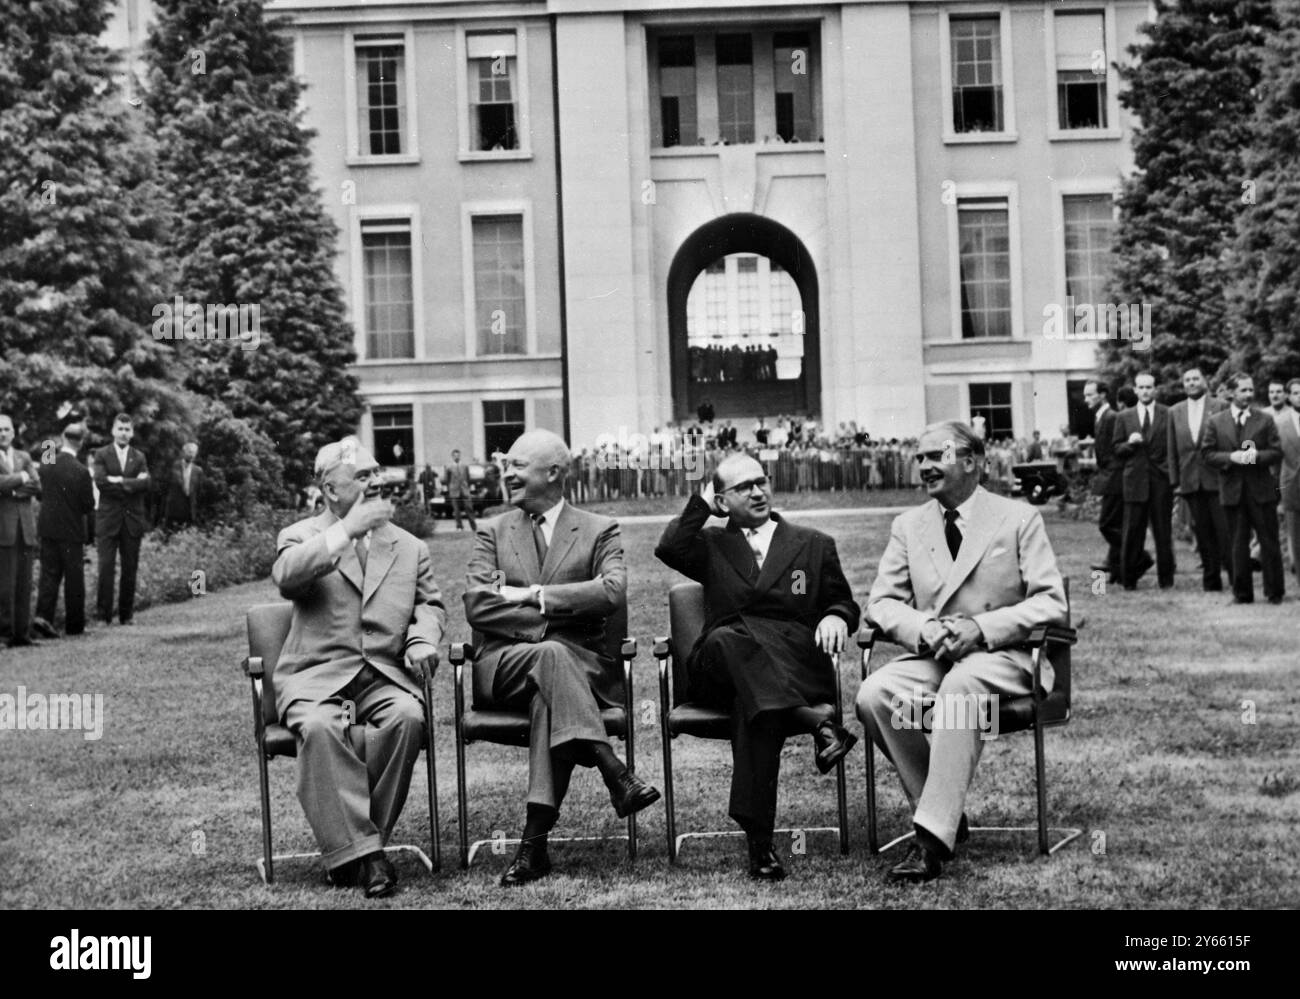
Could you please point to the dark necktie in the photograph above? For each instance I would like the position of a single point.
(1241, 419)
(1146, 420)
(539, 538)
(952, 532)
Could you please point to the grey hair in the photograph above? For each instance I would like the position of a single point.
(331, 456)
(962, 434)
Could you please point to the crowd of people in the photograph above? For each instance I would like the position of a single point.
(714, 363)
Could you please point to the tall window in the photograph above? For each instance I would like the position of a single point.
(500, 306)
(394, 435)
(735, 54)
(792, 72)
(381, 95)
(1080, 69)
(993, 402)
(503, 422)
(976, 74)
(1089, 230)
(740, 322)
(677, 90)
(984, 244)
(492, 112)
(389, 290)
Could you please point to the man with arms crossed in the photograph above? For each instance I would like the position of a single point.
(122, 475)
(778, 605)
(542, 581)
(964, 580)
(367, 617)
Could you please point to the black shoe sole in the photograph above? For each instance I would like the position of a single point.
(534, 876)
(644, 800)
(826, 764)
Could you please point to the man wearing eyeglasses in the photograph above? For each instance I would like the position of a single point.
(780, 611)
(965, 578)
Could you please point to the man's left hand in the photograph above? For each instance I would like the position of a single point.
(832, 634)
(964, 637)
(517, 594)
(422, 657)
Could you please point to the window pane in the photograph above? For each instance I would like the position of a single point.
(976, 74)
(1080, 99)
(993, 402)
(677, 91)
(390, 310)
(500, 306)
(394, 435)
(985, 257)
(792, 73)
(1089, 230)
(381, 98)
(493, 114)
(503, 422)
(735, 88)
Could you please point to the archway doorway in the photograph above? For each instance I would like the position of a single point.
(743, 321)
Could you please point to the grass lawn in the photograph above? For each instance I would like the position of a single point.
(1186, 800)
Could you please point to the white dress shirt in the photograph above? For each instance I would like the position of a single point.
(1195, 414)
(760, 539)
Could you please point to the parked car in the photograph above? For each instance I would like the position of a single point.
(484, 490)
(397, 483)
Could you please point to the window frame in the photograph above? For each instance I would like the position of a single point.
(374, 408)
(1008, 190)
(1061, 189)
(1003, 14)
(381, 35)
(470, 210)
(357, 300)
(981, 381)
(523, 128)
(1054, 131)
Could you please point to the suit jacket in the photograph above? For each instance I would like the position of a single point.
(1255, 480)
(1105, 482)
(1290, 442)
(121, 504)
(179, 506)
(457, 480)
(1140, 463)
(344, 619)
(17, 517)
(68, 500)
(1005, 577)
(780, 605)
(584, 584)
(1188, 472)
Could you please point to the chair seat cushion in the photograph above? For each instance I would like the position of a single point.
(279, 741)
(510, 728)
(699, 721)
(1017, 714)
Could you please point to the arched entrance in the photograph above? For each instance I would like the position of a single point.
(751, 370)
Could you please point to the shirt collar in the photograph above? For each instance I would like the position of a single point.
(552, 515)
(1236, 412)
(764, 530)
(966, 508)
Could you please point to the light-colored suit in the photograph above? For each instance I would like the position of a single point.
(18, 541)
(553, 663)
(1004, 578)
(345, 660)
(1290, 484)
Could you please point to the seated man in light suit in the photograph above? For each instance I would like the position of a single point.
(367, 616)
(964, 579)
(542, 579)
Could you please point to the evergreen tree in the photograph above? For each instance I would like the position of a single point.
(1194, 90)
(78, 225)
(1266, 295)
(246, 225)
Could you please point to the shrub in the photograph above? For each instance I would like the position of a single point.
(414, 518)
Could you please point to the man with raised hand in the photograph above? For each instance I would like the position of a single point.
(543, 580)
(367, 618)
(965, 578)
(780, 612)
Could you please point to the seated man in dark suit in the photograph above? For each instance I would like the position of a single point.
(777, 604)
(542, 580)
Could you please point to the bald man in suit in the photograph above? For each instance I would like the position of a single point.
(965, 578)
(367, 618)
(543, 580)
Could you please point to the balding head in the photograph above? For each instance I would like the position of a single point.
(535, 469)
(741, 488)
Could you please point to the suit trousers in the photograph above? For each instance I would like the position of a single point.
(108, 547)
(356, 752)
(936, 768)
(1262, 517)
(62, 562)
(1111, 524)
(1158, 510)
(1210, 527)
(551, 679)
(16, 590)
(463, 505)
(1292, 518)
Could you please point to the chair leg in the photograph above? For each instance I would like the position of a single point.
(670, 807)
(1040, 776)
(431, 765)
(265, 779)
(841, 786)
(873, 841)
(631, 765)
(462, 807)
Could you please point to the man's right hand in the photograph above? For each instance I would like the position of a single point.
(366, 515)
(933, 633)
(1135, 438)
(708, 496)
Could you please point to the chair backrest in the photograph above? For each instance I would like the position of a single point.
(268, 627)
(1060, 657)
(686, 621)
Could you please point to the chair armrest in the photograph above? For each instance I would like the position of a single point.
(661, 651)
(628, 653)
(867, 636)
(253, 666)
(1052, 634)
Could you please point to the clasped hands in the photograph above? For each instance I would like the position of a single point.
(952, 638)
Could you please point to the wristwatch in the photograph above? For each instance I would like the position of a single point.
(536, 592)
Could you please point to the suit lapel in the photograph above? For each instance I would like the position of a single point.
(563, 536)
(525, 548)
(979, 534)
(934, 541)
(783, 550)
(4, 465)
(349, 565)
(382, 555)
(737, 551)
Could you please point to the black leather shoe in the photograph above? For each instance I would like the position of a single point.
(917, 867)
(629, 793)
(1144, 565)
(832, 743)
(764, 865)
(378, 876)
(43, 628)
(531, 863)
(345, 875)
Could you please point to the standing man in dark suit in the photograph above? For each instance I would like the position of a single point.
(1142, 445)
(1105, 482)
(458, 491)
(181, 508)
(1288, 431)
(1242, 443)
(543, 579)
(778, 606)
(1196, 481)
(19, 482)
(67, 503)
(122, 475)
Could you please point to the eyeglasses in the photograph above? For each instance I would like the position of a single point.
(937, 456)
(744, 487)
